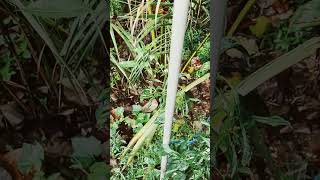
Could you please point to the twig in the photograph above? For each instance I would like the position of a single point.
(243, 12)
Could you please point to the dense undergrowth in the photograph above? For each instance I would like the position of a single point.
(141, 34)
(273, 37)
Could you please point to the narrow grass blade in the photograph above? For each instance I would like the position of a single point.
(278, 65)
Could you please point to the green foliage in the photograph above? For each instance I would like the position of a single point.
(115, 7)
(286, 38)
(116, 141)
(98, 171)
(22, 48)
(278, 65)
(231, 135)
(205, 68)
(190, 162)
(191, 159)
(31, 157)
(85, 149)
(307, 15)
(6, 70)
(102, 113)
(204, 52)
(152, 93)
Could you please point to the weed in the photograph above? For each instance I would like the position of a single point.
(6, 70)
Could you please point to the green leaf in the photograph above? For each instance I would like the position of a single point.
(98, 171)
(31, 157)
(86, 147)
(5, 70)
(278, 65)
(54, 176)
(272, 121)
(57, 8)
(101, 116)
(307, 15)
(119, 111)
(260, 27)
(127, 64)
(142, 118)
(136, 108)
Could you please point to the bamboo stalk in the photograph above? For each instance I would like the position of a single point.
(180, 13)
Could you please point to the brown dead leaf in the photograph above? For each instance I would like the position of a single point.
(114, 114)
(10, 112)
(44, 89)
(249, 44)
(76, 97)
(13, 156)
(281, 6)
(60, 148)
(303, 130)
(113, 162)
(4, 174)
(74, 94)
(234, 53)
(196, 63)
(9, 162)
(67, 112)
(197, 125)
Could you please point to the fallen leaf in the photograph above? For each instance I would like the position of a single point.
(234, 53)
(67, 112)
(197, 125)
(61, 148)
(307, 15)
(113, 162)
(31, 158)
(4, 174)
(264, 3)
(74, 94)
(249, 44)
(150, 106)
(285, 130)
(12, 157)
(10, 112)
(196, 62)
(44, 89)
(303, 130)
(262, 23)
(9, 161)
(113, 97)
(76, 97)
(280, 6)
